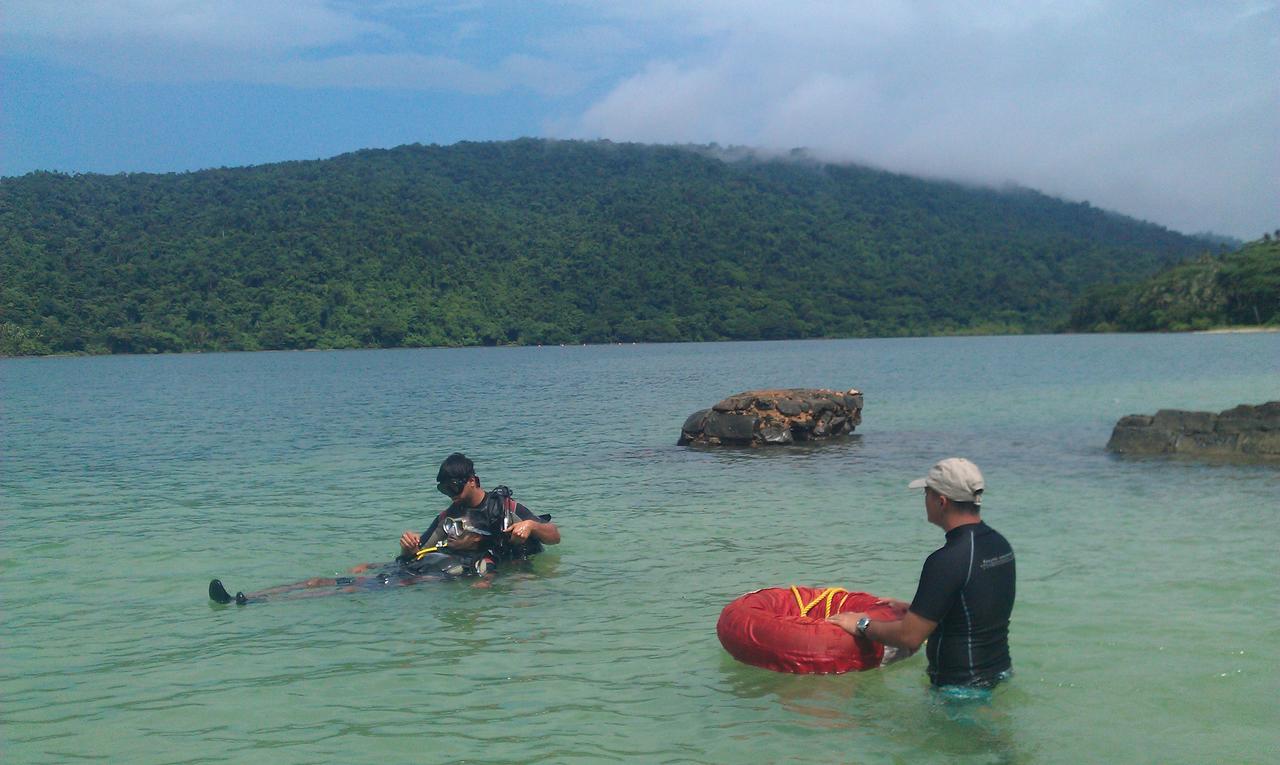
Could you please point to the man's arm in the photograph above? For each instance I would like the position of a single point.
(411, 541)
(531, 525)
(938, 585)
(545, 532)
(907, 634)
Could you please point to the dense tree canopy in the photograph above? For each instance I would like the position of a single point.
(536, 241)
(1238, 288)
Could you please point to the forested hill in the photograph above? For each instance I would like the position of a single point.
(534, 241)
(1237, 288)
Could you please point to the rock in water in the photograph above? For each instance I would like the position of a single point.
(774, 417)
(1251, 432)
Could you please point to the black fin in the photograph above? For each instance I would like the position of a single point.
(218, 593)
(241, 599)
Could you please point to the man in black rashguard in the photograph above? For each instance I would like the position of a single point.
(966, 591)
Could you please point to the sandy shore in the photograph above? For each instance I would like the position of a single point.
(1236, 330)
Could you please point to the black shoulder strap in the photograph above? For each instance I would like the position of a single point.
(509, 505)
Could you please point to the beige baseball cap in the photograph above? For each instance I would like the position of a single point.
(955, 478)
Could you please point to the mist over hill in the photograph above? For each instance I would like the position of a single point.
(534, 241)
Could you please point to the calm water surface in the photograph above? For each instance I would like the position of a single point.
(1148, 595)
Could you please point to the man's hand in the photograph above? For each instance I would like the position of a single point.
(907, 633)
(409, 542)
(847, 621)
(546, 533)
(521, 530)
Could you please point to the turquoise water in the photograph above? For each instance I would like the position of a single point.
(1148, 596)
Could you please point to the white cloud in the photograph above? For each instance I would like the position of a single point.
(590, 41)
(410, 71)
(1138, 108)
(303, 43)
(263, 27)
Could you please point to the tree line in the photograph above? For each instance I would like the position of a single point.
(533, 241)
(1231, 289)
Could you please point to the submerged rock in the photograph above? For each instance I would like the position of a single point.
(1246, 431)
(774, 417)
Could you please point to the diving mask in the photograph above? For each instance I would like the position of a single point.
(455, 528)
(453, 488)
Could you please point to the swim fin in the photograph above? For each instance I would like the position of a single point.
(219, 594)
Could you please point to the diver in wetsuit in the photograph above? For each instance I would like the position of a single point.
(965, 596)
(513, 532)
(470, 538)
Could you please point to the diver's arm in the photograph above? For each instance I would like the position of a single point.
(409, 543)
(907, 633)
(539, 527)
(545, 532)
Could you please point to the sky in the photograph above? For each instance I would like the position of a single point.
(1166, 111)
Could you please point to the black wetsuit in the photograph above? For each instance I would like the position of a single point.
(496, 512)
(967, 587)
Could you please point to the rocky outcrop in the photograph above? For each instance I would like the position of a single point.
(774, 417)
(1247, 431)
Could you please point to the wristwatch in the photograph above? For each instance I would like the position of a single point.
(863, 623)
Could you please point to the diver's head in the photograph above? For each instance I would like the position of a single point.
(457, 480)
(468, 541)
(465, 532)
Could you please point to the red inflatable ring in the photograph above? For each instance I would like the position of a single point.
(785, 630)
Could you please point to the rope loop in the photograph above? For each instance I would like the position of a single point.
(827, 595)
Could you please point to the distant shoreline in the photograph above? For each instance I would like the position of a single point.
(85, 354)
(1235, 330)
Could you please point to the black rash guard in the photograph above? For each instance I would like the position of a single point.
(967, 587)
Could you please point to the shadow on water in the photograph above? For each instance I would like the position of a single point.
(704, 462)
(845, 446)
(819, 696)
(979, 728)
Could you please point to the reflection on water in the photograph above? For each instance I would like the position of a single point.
(975, 728)
(836, 448)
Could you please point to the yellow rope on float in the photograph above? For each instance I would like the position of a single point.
(828, 595)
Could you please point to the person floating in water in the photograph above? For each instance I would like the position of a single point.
(965, 596)
(470, 538)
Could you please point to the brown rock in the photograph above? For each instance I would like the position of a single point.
(774, 417)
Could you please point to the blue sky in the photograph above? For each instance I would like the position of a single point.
(1166, 111)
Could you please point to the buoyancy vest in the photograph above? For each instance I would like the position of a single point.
(499, 505)
(434, 561)
(495, 514)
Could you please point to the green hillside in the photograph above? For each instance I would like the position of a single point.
(535, 241)
(1238, 288)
